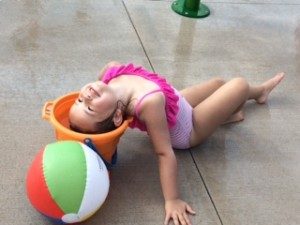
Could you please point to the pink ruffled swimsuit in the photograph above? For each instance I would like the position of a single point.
(178, 110)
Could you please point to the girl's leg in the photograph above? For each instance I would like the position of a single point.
(225, 103)
(260, 93)
(197, 93)
(217, 108)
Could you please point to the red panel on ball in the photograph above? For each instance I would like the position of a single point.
(37, 190)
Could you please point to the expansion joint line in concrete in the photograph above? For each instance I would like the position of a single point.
(206, 188)
(139, 38)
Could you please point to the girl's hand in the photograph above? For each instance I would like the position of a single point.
(178, 211)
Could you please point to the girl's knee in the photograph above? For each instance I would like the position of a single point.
(241, 84)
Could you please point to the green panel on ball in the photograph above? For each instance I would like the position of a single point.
(64, 166)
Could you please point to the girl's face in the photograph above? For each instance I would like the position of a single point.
(95, 103)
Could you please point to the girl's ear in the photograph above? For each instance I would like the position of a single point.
(118, 118)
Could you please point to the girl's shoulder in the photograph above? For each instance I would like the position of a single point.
(149, 103)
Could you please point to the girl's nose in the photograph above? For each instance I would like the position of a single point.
(86, 96)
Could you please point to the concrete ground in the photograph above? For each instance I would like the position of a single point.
(245, 174)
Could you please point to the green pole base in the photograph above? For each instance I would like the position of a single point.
(179, 7)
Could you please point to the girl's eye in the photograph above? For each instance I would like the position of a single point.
(90, 109)
(79, 100)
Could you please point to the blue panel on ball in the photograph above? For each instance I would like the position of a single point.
(53, 220)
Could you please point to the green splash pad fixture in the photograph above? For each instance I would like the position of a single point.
(191, 8)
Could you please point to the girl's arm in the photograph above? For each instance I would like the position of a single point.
(108, 65)
(153, 114)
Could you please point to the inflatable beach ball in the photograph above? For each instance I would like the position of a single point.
(67, 182)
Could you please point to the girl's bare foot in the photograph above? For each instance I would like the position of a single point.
(268, 87)
(238, 116)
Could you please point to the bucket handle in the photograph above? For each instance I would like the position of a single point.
(108, 165)
(47, 110)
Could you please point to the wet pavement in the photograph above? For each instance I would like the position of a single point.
(246, 173)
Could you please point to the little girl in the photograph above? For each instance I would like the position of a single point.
(172, 119)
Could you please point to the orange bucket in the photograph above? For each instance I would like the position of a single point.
(57, 112)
